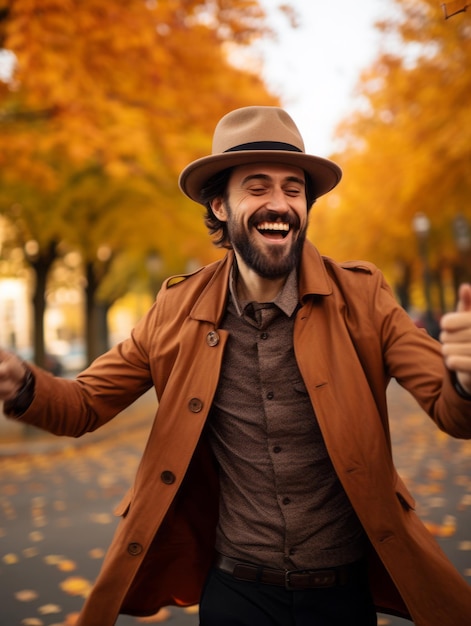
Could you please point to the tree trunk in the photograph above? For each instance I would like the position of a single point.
(97, 333)
(90, 316)
(102, 336)
(41, 265)
(403, 283)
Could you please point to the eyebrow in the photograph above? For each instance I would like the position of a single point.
(289, 179)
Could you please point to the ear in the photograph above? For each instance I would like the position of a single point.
(219, 209)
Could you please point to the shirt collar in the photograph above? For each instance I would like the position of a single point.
(286, 300)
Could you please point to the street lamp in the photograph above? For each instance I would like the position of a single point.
(421, 228)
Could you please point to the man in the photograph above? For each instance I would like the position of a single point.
(267, 490)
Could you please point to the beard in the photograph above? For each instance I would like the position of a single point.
(274, 263)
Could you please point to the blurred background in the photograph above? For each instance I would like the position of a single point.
(103, 103)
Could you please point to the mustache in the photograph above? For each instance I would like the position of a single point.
(266, 215)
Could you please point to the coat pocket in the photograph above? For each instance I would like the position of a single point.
(121, 509)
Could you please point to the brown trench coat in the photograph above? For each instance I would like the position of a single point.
(350, 338)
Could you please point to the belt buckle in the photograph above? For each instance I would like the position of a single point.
(317, 578)
(288, 573)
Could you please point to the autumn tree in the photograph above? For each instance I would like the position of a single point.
(106, 103)
(407, 151)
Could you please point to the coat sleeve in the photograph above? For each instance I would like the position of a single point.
(110, 384)
(415, 360)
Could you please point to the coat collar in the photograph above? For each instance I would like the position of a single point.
(211, 304)
(313, 276)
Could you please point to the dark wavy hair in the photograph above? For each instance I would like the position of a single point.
(216, 187)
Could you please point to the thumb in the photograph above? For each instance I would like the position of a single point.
(464, 298)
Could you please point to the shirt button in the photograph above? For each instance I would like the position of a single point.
(134, 549)
(277, 449)
(264, 336)
(195, 405)
(167, 477)
(270, 395)
(286, 500)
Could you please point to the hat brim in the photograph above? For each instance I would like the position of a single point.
(324, 174)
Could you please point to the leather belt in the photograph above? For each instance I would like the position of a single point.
(290, 579)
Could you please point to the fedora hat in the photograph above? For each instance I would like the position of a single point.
(258, 134)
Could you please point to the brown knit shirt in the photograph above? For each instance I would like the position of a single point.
(281, 502)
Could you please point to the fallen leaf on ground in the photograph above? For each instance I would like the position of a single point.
(101, 518)
(26, 595)
(76, 586)
(446, 529)
(53, 559)
(36, 536)
(67, 566)
(10, 559)
(30, 552)
(49, 609)
(96, 553)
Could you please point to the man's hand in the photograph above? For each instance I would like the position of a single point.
(12, 375)
(456, 338)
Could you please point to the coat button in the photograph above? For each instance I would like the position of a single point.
(195, 405)
(134, 549)
(212, 338)
(167, 477)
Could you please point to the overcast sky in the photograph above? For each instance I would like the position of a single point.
(315, 67)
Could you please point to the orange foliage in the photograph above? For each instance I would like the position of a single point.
(107, 102)
(407, 149)
(115, 81)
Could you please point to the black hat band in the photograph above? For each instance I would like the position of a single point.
(264, 145)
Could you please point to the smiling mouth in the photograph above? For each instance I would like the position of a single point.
(278, 229)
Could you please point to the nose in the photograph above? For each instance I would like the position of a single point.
(277, 200)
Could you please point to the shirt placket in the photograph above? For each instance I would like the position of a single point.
(270, 364)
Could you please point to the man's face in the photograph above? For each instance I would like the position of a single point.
(266, 215)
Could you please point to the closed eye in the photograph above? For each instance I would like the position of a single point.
(257, 191)
(293, 192)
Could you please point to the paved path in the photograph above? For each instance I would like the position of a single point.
(56, 498)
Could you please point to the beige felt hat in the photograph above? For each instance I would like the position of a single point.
(258, 134)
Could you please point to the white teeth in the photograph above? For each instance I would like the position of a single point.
(273, 226)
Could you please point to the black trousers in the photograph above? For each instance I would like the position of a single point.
(229, 602)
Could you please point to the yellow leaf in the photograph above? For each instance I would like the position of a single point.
(96, 553)
(49, 609)
(67, 566)
(76, 586)
(10, 559)
(26, 595)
